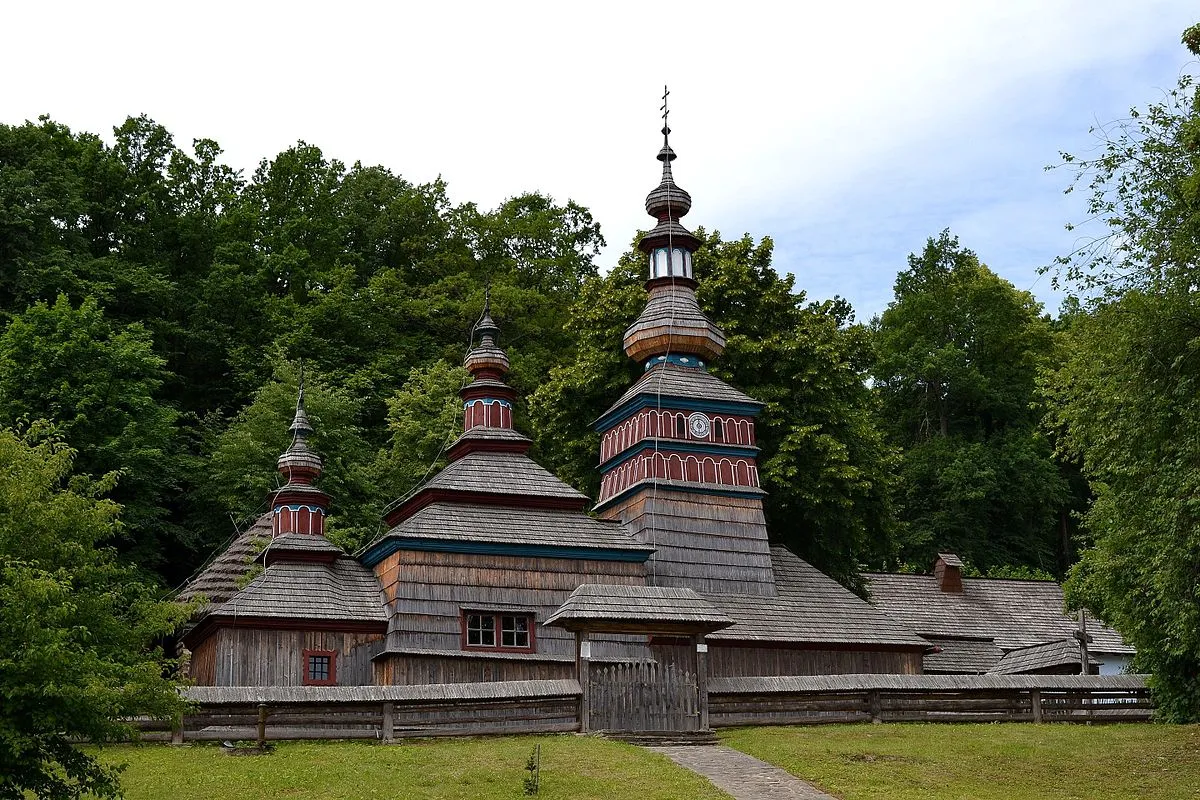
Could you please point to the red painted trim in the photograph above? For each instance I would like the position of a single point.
(430, 496)
(496, 648)
(473, 392)
(331, 680)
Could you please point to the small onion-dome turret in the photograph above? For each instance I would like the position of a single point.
(299, 507)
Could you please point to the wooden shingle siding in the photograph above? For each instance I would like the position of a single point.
(705, 542)
(427, 593)
(258, 657)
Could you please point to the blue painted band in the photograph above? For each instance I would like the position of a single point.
(667, 446)
(392, 544)
(667, 402)
(504, 403)
(684, 360)
(290, 507)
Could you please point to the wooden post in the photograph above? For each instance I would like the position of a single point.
(702, 679)
(177, 729)
(1035, 701)
(876, 705)
(262, 725)
(1082, 635)
(389, 724)
(583, 646)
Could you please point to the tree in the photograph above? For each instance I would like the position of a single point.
(76, 627)
(823, 462)
(958, 353)
(99, 384)
(1125, 400)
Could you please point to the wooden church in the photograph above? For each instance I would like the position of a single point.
(497, 570)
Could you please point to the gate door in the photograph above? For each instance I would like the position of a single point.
(643, 696)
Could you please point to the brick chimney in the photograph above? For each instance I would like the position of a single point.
(948, 571)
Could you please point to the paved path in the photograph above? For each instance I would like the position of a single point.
(743, 776)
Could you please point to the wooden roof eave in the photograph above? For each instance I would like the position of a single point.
(646, 627)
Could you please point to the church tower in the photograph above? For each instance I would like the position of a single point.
(677, 452)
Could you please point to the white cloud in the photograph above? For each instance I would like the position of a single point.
(862, 126)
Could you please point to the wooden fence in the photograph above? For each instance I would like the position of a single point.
(803, 700)
(386, 713)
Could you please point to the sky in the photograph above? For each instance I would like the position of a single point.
(848, 132)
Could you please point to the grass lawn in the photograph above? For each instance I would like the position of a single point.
(985, 762)
(572, 767)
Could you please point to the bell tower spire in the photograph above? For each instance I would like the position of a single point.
(299, 506)
(671, 327)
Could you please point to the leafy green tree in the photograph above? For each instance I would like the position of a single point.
(99, 383)
(424, 418)
(823, 462)
(76, 627)
(1125, 400)
(958, 353)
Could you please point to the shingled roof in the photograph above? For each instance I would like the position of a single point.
(810, 608)
(344, 591)
(502, 473)
(670, 380)
(1014, 613)
(962, 656)
(1063, 653)
(642, 605)
(519, 526)
(222, 577)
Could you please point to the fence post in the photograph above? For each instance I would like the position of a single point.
(262, 725)
(702, 678)
(1035, 702)
(177, 729)
(876, 705)
(389, 724)
(584, 645)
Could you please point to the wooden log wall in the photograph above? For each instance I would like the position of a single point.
(704, 542)
(732, 661)
(427, 592)
(259, 657)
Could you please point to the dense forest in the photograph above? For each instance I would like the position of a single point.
(156, 308)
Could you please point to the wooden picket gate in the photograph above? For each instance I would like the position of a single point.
(643, 696)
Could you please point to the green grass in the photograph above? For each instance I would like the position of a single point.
(985, 762)
(572, 767)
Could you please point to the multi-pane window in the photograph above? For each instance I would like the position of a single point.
(320, 667)
(486, 630)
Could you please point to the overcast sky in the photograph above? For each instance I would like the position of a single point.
(848, 132)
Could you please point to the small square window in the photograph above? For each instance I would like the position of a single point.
(320, 667)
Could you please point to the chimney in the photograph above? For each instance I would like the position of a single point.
(948, 571)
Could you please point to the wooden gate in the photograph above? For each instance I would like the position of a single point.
(643, 696)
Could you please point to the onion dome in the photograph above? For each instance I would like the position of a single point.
(298, 507)
(671, 328)
(487, 399)
(486, 359)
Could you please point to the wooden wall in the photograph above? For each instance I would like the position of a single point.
(407, 669)
(427, 592)
(202, 667)
(735, 662)
(263, 657)
(704, 542)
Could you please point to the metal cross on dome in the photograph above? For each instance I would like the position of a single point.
(666, 131)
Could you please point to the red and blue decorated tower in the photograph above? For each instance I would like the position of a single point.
(677, 452)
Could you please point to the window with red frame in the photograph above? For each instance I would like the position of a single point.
(320, 667)
(488, 630)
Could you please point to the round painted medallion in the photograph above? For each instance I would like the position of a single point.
(698, 425)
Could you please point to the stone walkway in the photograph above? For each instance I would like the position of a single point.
(743, 776)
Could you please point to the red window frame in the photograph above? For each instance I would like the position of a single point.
(305, 665)
(497, 629)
